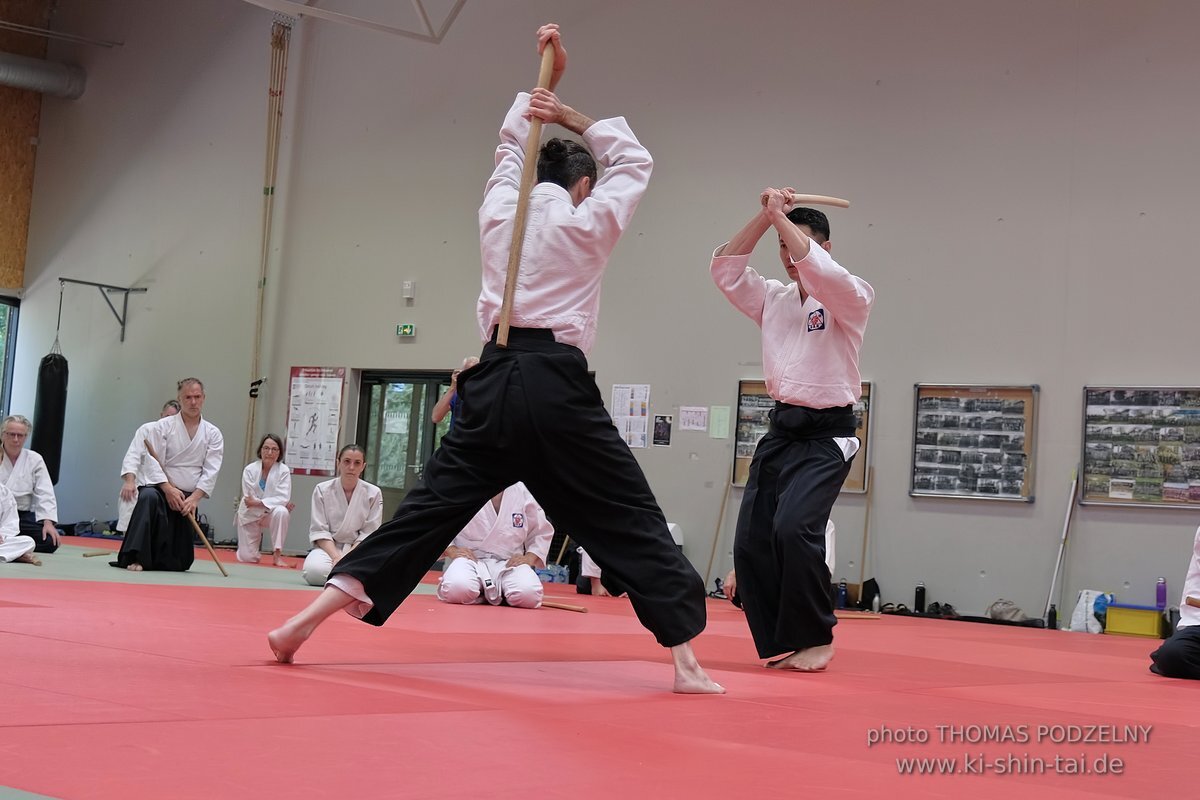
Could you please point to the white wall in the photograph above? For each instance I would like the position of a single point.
(1022, 175)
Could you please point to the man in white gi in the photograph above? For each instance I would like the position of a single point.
(133, 467)
(24, 473)
(345, 511)
(812, 330)
(1179, 656)
(186, 452)
(493, 559)
(13, 546)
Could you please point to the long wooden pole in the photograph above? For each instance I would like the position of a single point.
(862, 561)
(716, 535)
(195, 525)
(528, 172)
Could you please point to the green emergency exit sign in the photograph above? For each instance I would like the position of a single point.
(406, 330)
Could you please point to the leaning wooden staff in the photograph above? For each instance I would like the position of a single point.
(191, 518)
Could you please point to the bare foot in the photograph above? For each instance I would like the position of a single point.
(286, 640)
(810, 659)
(134, 567)
(690, 677)
(280, 561)
(29, 558)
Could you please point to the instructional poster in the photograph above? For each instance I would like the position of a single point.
(314, 419)
(631, 412)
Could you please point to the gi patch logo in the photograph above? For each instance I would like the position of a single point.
(518, 520)
(816, 320)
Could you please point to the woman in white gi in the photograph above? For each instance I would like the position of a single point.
(133, 467)
(13, 546)
(24, 473)
(344, 511)
(494, 557)
(266, 502)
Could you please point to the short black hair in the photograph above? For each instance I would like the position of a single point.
(564, 162)
(816, 221)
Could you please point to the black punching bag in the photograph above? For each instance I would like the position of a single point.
(50, 411)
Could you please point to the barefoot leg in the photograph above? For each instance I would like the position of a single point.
(280, 561)
(690, 677)
(287, 638)
(28, 558)
(810, 659)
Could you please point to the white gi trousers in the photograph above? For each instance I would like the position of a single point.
(317, 564)
(250, 533)
(488, 580)
(13, 547)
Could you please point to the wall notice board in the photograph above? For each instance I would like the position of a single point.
(1141, 446)
(753, 409)
(974, 441)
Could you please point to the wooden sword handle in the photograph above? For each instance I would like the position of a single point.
(1193, 601)
(815, 200)
(528, 172)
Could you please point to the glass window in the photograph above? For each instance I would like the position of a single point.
(9, 307)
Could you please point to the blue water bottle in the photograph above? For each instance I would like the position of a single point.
(1160, 594)
(841, 593)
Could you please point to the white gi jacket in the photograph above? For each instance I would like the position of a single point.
(810, 348)
(1190, 615)
(190, 463)
(277, 494)
(519, 527)
(566, 246)
(136, 456)
(29, 482)
(12, 545)
(345, 523)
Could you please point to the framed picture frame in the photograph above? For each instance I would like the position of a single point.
(753, 409)
(856, 481)
(1141, 446)
(974, 441)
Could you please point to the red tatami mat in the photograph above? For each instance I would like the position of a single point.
(144, 691)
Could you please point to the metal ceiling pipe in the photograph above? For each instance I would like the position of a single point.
(38, 75)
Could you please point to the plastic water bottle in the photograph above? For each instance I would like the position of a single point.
(919, 599)
(841, 594)
(1160, 594)
(1052, 617)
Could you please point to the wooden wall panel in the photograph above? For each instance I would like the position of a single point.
(20, 111)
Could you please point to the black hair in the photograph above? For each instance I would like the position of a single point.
(816, 221)
(564, 162)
